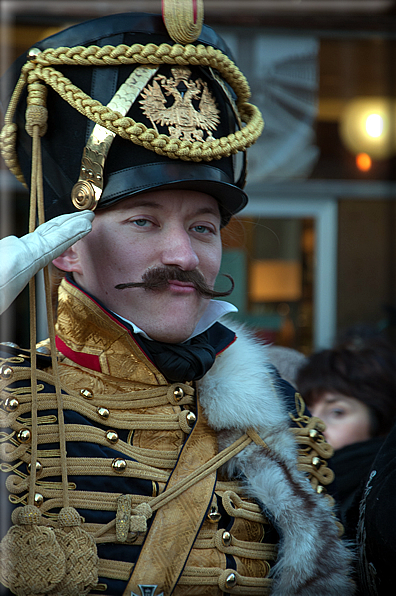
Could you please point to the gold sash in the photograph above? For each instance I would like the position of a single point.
(177, 523)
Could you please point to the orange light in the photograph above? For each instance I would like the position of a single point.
(363, 162)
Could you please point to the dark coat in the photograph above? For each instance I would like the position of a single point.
(377, 524)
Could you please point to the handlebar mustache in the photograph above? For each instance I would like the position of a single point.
(158, 278)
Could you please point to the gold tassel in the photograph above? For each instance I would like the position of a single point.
(31, 559)
(80, 553)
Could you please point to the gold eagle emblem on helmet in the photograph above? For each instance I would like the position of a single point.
(193, 112)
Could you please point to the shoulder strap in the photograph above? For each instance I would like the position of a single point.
(176, 523)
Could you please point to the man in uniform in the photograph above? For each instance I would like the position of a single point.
(147, 447)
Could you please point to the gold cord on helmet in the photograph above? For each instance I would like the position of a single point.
(41, 68)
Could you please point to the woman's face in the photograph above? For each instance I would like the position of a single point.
(347, 419)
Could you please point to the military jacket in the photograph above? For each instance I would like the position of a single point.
(157, 512)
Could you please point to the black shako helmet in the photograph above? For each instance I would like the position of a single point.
(123, 108)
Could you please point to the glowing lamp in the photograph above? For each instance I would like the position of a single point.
(374, 125)
(368, 125)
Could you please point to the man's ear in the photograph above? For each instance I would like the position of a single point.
(68, 261)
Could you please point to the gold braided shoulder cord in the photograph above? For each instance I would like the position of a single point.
(41, 68)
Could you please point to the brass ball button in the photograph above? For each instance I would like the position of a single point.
(119, 465)
(112, 436)
(11, 404)
(178, 393)
(38, 499)
(316, 462)
(87, 393)
(24, 435)
(314, 434)
(231, 580)
(6, 372)
(103, 412)
(226, 538)
(214, 516)
(191, 419)
(33, 53)
(39, 467)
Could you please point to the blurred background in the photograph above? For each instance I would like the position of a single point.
(314, 253)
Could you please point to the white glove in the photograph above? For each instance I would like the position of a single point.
(22, 258)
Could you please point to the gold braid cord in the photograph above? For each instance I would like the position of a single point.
(8, 135)
(42, 68)
(34, 559)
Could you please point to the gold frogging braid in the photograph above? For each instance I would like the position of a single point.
(40, 68)
(314, 451)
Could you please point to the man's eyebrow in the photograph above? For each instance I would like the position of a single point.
(143, 203)
(201, 211)
(207, 211)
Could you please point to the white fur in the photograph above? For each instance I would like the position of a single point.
(239, 393)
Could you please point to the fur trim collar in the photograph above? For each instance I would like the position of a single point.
(239, 393)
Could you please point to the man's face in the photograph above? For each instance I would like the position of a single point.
(154, 229)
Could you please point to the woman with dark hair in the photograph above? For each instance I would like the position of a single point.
(352, 388)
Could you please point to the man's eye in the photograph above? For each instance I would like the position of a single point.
(140, 222)
(201, 229)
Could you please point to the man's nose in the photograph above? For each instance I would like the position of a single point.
(177, 250)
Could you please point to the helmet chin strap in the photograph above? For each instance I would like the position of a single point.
(89, 187)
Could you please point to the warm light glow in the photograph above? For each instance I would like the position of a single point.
(367, 125)
(363, 162)
(374, 125)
